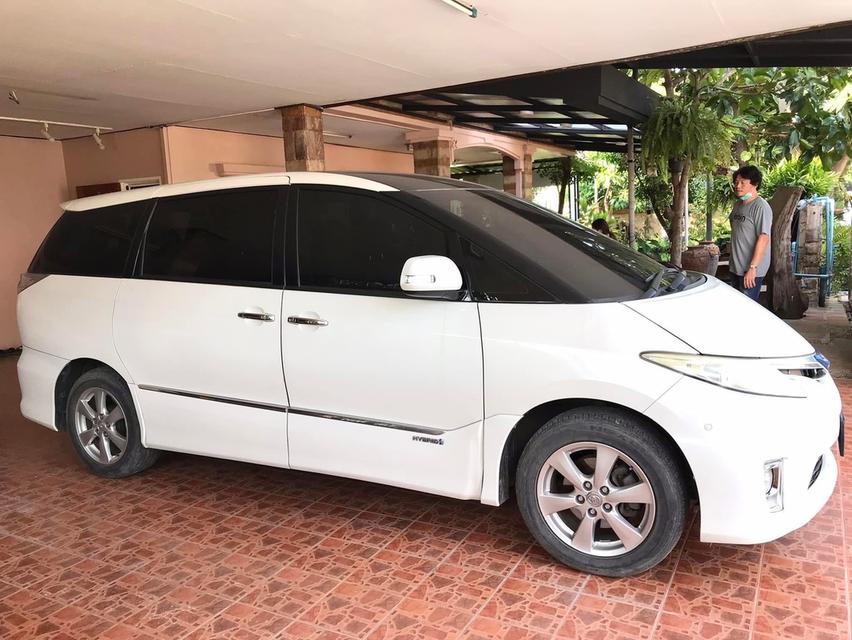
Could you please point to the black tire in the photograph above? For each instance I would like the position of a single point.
(661, 521)
(134, 458)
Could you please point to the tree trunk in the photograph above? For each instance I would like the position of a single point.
(840, 166)
(563, 187)
(786, 299)
(680, 185)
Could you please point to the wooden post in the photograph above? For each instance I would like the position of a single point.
(631, 189)
(708, 230)
(786, 299)
(527, 176)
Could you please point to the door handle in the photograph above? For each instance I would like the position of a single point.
(314, 322)
(263, 317)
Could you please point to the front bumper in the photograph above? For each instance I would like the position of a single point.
(727, 437)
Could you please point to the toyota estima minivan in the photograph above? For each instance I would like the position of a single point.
(430, 334)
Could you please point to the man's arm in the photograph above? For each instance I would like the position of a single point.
(759, 249)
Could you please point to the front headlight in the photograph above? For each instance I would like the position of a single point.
(761, 376)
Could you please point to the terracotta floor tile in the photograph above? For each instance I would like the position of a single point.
(22, 609)
(426, 540)
(334, 557)
(392, 571)
(593, 618)
(306, 631)
(721, 562)
(69, 622)
(676, 627)
(487, 558)
(418, 619)
(319, 518)
(458, 587)
(537, 566)
(725, 603)
(371, 528)
(36, 566)
(280, 544)
(488, 629)
(291, 593)
(785, 614)
(242, 622)
(529, 604)
(178, 613)
(351, 608)
(459, 514)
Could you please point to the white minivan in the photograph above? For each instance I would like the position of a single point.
(431, 334)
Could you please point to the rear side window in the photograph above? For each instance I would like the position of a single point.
(359, 242)
(91, 243)
(222, 237)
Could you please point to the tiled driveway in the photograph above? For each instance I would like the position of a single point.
(201, 548)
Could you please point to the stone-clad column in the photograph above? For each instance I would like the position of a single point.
(433, 157)
(303, 144)
(527, 176)
(510, 177)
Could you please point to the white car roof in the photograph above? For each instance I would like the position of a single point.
(234, 182)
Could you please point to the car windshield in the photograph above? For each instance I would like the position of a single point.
(598, 268)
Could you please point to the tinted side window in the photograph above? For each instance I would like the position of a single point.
(91, 243)
(360, 242)
(222, 237)
(491, 280)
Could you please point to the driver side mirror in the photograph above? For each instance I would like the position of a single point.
(431, 277)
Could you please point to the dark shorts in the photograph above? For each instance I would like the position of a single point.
(753, 293)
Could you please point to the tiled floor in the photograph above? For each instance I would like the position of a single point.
(200, 548)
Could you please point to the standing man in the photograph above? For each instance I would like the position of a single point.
(751, 226)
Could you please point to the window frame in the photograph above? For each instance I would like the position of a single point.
(278, 226)
(454, 250)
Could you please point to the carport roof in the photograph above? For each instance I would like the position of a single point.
(590, 109)
(826, 47)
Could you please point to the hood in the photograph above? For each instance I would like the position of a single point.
(716, 319)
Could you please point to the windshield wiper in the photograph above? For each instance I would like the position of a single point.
(654, 281)
(653, 287)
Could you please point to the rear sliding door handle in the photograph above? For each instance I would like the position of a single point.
(263, 317)
(314, 322)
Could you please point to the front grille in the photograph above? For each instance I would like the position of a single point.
(817, 470)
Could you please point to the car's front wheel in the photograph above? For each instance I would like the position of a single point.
(104, 429)
(601, 492)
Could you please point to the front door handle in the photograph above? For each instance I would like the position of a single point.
(263, 317)
(314, 322)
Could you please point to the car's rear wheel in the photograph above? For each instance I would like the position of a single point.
(602, 492)
(104, 429)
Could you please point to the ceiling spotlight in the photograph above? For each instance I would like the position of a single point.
(14, 96)
(45, 131)
(97, 137)
(466, 9)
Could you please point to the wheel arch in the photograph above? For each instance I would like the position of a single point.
(538, 416)
(70, 373)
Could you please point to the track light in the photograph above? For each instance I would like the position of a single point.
(45, 131)
(466, 9)
(97, 137)
(14, 97)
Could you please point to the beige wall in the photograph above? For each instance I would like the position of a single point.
(341, 158)
(32, 185)
(129, 154)
(198, 154)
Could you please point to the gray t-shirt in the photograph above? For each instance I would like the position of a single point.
(748, 221)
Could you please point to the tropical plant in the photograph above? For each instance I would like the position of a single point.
(814, 179)
(560, 172)
(682, 136)
(840, 279)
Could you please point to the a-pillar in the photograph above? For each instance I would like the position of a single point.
(303, 145)
(433, 157)
(510, 175)
(527, 176)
